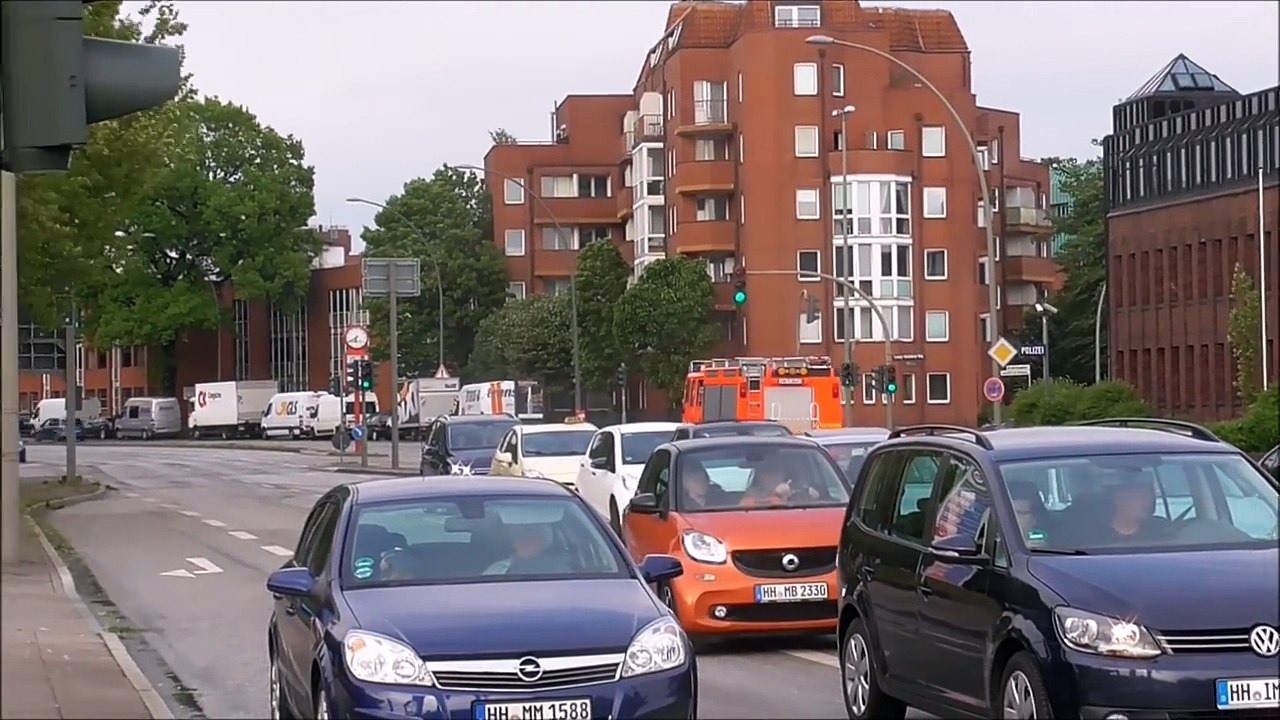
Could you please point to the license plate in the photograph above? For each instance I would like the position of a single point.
(1249, 693)
(791, 592)
(553, 710)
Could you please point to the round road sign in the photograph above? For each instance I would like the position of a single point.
(993, 389)
(357, 432)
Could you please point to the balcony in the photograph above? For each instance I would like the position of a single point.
(704, 176)
(647, 129)
(1027, 221)
(705, 236)
(654, 190)
(625, 202)
(554, 263)
(651, 246)
(876, 162)
(1030, 268)
(710, 117)
(576, 211)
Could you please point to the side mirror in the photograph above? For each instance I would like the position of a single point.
(644, 504)
(659, 568)
(502, 457)
(957, 547)
(291, 581)
(599, 463)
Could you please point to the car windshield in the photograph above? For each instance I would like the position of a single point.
(557, 443)
(638, 446)
(849, 455)
(478, 435)
(1142, 503)
(761, 430)
(752, 477)
(476, 539)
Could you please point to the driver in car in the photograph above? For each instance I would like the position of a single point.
(531, 553)
(771, 486)
(1133, 506)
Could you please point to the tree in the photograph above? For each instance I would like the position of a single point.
(601, 281)
(502, 137)
(526, 339)
(663, 322)
(447, 219)
(1083, 259)
(1244, 323)
(228, 205)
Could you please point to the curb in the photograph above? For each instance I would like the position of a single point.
(373, 471)
(150, 697)
(317, 451)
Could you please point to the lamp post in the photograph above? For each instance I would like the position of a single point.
(846, 393)
(1262, 280)
(997, 408)
(1045, 310)
(573, 283)
(1097, 336)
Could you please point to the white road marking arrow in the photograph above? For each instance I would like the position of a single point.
(205, 568)
(178, 573)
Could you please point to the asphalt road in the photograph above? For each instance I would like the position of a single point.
(183, 545)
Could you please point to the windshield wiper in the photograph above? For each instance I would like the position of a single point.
(1057, 551)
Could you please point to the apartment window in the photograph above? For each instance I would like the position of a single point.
(558, 186)
(739, 87)
(720, 269)
(994, 151)
(711, 149)
(935, 202)
(713, 207)
(984, 327)
(938, 388)
(933, 141)
(512, 192)
(984, 270)
(557, 286)
(671, 103)
(288, 348)
(877, 207)
(593, 186)
(797, 16)
(937, 326)
(596, 233)
(710, 102)
(837, 80)
(982, 214)
(241, 310)
(807, 205)
(344, 311)
(808, 263)
(806, 141)
(515, 291)
(742, 210)
(805, 77)
(810, 332)
(557, 238)
(895, 140)
(869, 393)
(907, 389)
(742, 146)
(984, 157)
(514, 242)
(935, 264)
(903, 319)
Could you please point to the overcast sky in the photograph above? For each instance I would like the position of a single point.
(382, 92)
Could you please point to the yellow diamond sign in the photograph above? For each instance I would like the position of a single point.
(1003, 352)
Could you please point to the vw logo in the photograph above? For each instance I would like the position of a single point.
(1265, 640)
(790, 562)
(529, 669)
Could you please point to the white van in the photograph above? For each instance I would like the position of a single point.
(289, 414)
(370, 408)
(149, 417)
(327, 416)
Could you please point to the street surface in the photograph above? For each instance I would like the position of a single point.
(183, 547)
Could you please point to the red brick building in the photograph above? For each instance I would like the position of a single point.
(728, 149)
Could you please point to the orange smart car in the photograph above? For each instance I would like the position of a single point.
(754, 520)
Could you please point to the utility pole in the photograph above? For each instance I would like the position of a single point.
(393, 330)
(72, 402)
(393, 278)
(846, 392)
(10, 498)
(622, 389)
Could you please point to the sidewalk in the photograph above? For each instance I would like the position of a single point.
(55, 662)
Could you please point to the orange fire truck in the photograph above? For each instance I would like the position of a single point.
(802, 393)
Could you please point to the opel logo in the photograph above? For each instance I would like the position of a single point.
(529, 669)
(1265, 640)
(790, 562)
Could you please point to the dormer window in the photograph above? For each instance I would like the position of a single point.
(797, 16)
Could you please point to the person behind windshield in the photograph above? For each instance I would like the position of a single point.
(1133, 506)
(1028, 506)
(531, 553)
(771, 486)
(698, 492)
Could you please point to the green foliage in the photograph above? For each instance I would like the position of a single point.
(1259, 430)
(1083, 259)
(1244, 324)
(502, 137)
(448, 220)
(601, 281)
(663, 321)
(530, 338)
(1059, 401)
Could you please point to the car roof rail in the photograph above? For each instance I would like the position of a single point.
(1182, 427)
(979, 438)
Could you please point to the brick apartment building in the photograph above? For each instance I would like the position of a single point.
(727, 150)
(1182, 169)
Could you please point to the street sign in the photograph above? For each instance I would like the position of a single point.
(1003, 352)
(377, 273)
(993, 389)
(357, 433)
(1032, 350)
(1015, 371)
(340, 441)
(442, 372)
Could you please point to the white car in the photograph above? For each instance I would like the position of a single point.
(607, 474)
(543, 451)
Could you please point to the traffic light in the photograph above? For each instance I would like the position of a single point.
(622, 375)
(739, 286)
(849, 375)
(335, 385)
(366, 375)
(57, 82)
(890, 384)
(353, 373)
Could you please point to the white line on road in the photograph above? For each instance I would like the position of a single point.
(814, 656)
(168, 506)
(206, 567)
(130, 493)
(215, 523)
(242, 535)
(277, 550)
(149, 500)
(190, 513)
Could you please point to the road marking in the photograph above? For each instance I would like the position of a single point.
(178, 573)
(814, 656)
(242, 535)
(151, 500)
(205, 568)
(168, 506)
(190, 513)
(130, 493)
(215, 523)
(277, 550)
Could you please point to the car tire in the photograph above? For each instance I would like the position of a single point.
(1022, 692)
(863, 697)
(321, 701)
(279, 702)
(615, 519)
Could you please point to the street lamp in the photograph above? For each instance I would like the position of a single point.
(846, 196)
(1045, 309)
(997, 408)
(434, 261)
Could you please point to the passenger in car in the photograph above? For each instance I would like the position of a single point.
(699, 492)
(532, 553)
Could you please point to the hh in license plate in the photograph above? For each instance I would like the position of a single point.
(791, 592)
(1250, 693)
(552, 710)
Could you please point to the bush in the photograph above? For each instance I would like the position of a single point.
(1259, 430)
(1057, 402)
(1111, 399)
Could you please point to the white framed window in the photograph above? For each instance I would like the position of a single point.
(984, 271)
(935, 202)
(935, 264)
(808, 262)
(741, 148)
(984, 156)
(742, 209)
(713, 207)
(937, 326)
(807, 205)
(797, 16)
(937, 388)
(869, 393)
(933, 141)
(895, 140)
(711, 149)
(994, 151)
(837, 80)
(805, 78)
(907, 389)
(881, 270)
(739, 87)
(515, 291)
(903, 319)
(512, 192)
(806, 141)
(558, 186)
(872, 207)
(513, 243)
(984, 327)
(557, 286)
(594, 186)
(671, 104)
(710, 102)
(557, 238)
(810, 332)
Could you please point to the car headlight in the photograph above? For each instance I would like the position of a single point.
(378, 659)
(1102, 635)
(704, 548)
(660, 645)
(530, 473)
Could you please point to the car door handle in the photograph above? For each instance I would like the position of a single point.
(866, 572)
(924, 588)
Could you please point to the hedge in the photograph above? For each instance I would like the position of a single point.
(1259, 430)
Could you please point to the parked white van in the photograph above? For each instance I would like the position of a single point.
(327, 417)
(288, 414)
(149, 417)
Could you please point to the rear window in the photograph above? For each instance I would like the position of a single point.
(741, 430)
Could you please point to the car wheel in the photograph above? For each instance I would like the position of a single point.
(322, 701)
(1022, 691)
(279, 704)
(615, 520)
(863, 697)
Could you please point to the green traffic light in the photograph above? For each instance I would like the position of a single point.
(740, 296)
(891, 388)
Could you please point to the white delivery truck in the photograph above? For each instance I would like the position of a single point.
(229, 409)
(301, 414)
(518, 398)
(149, 417)
(422, 400)
(90, 411)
